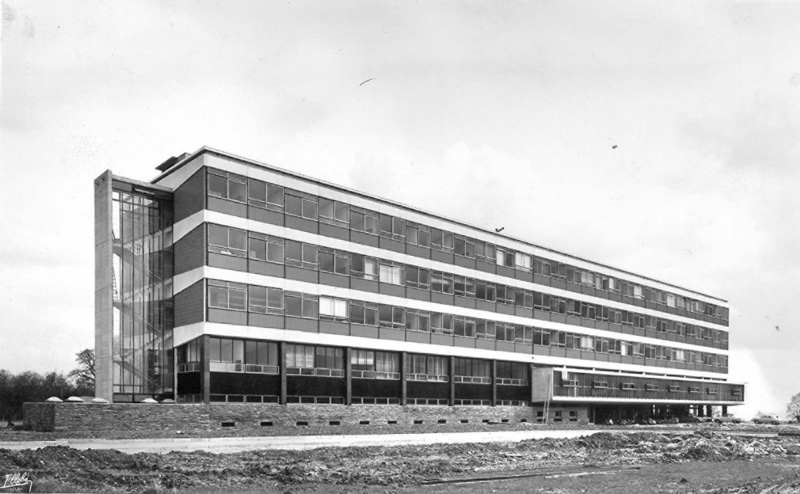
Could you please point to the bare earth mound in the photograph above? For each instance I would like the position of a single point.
(612, 456)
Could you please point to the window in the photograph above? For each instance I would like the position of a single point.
(485, 250)
(524, 298)
(264, 248)
(363, 221)
(231, 296)
(505, 332)
(541, 266)
(470, 370)
(541, 301)
(441, 282)
(265, 300)
(522, 261)
(418, 277)
(228, 241)
(485, 329)
(463, 286)
(573, 307)
(523, 334)
(569, 383)
(367, 364)
(464, 246)
(673, 388)
(228, 355)
(311, 357)
(651, 387)
(427, 368)
(332, 261)
(505, 258)
(261, 357)
(392, 227)
(334, 212)
(363, 313)
(464, 326)
(304, 207)
(628, 386)
(391, 317)
(301, 305)
(227, 185)
(333, 308)
(275, 195)
(485, 291)
(505, 294)
(541, 337)
(299, 356)
(363, 267)
(301, 255)
(512, 373)
(600, 384)
(391, 273)
(441, 240)
(418, 235)
(256, 193)
(441, 323)
(418, 321)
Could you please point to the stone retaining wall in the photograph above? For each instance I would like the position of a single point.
(99, 417)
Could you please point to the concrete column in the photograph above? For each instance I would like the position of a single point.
(205, 352)
(701, 411)
(403, 382)
(103, 287)
(348, 377)
(724, 409)
(493, 376)
(709, 411)
(175, 374)
(452, 362)
(282, 360)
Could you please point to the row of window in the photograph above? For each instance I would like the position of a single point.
(574, 341)
(322, 259)
(220, 295)
(690, 388)
(274, 197)
(237, 355)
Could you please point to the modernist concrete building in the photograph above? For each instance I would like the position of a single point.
(225, 280)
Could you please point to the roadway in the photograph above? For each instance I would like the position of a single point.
(238, 444)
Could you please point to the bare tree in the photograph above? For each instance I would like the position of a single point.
(793, 408)
(84, 375)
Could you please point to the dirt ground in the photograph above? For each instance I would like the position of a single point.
(696, 461)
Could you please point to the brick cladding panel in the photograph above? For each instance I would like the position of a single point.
(203, 418)
(190, 196)
(189, 305)
(190, 251)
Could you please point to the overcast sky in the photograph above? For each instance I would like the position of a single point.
(657, 137)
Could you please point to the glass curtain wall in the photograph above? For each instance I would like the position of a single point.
(142, 294)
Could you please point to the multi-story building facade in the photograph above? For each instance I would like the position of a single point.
(228, 280)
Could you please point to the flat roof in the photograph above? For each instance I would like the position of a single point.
(186, 157)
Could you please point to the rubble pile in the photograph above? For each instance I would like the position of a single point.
(404, 465)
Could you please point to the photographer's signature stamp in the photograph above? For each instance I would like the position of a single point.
(17, 480)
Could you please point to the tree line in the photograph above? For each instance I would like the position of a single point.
(16, 389)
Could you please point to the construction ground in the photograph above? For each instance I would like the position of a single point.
(675, 458)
